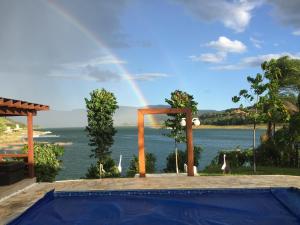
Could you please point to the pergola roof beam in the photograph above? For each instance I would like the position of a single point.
(12, 107)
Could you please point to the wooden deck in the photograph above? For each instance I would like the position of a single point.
(16, 204)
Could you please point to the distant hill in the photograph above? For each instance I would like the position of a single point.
(124, 116)
(232, 116)
(6, 122)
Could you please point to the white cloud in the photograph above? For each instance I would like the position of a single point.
(256, 43)
(98, 61)
(235, 15)
(147, 76)
(224, 44)
(209, 57)
(98, 74)
(227, 67)
(255, 61)
(296, 32)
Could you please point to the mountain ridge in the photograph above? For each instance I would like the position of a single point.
(124, 116)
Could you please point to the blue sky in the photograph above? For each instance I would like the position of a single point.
(56, 52)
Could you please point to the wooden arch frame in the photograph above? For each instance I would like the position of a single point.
(189, 135)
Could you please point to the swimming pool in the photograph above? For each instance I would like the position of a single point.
(177, 207)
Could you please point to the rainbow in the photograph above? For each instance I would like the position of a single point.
(89, 34)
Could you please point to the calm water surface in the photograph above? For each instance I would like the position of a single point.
(76, 159)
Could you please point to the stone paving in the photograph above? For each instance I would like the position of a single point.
(16, 204)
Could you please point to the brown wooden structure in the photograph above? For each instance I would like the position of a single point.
(189, 135)
(12, 107)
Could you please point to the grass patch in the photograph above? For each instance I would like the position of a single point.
(261, 170)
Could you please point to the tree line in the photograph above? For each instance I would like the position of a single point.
(274, 97)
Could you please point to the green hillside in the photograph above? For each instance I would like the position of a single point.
(5, 122)
(219, 118)
(223, 118)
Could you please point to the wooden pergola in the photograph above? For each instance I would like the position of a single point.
(12, 107)
(189, 135)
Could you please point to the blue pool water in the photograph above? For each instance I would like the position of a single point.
(177, 207)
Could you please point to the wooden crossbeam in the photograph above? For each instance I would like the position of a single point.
(13, 156)
(8, 111)
(12, 107)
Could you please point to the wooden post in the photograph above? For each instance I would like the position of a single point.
(189, 135)
(190, 147)
(141, 144)
(30, 144)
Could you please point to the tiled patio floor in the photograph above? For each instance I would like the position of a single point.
(14, 205)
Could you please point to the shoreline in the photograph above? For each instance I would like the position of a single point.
(16, 140)
(225, 127)
(232, 127)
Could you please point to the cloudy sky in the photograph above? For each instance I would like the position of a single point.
(55, 52)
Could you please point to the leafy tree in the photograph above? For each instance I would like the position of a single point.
(274, 107)
(179, 99)
(100, 109)
(253, 97)
(289, 74)
(134, 165)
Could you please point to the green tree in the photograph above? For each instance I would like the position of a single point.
(100, 109)
(289, 81)
(179, 99)
(274, 107)
(254, 98)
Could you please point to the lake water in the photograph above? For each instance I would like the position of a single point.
(76, 159)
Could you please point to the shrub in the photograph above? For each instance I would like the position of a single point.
(109, 167)
(279, 151)
(46, 159)
(235, 158)
(134, 165)
(182, 158)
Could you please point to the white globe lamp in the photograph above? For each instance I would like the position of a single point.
(183, 122)
(196, 121)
